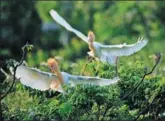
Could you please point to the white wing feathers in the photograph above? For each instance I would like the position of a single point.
(73, 79)
(40, 80)
(34, 78)
(65, 24)
(123, 49)
(106, 57)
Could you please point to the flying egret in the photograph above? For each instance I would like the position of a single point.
(40, 80)
(105, 53)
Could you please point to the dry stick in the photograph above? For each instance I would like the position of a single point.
(1, 117)
(83, 69)
(157, 61)
(7, 76)
(116, 66)
(4, 72)
(14, 78)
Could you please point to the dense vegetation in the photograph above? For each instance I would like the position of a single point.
(112, 23)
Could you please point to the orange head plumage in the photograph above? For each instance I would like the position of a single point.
(53, 64)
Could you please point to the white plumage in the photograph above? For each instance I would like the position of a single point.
(35, 78)
(62, 22)
(106, 53)
(40, 80)
(109, 53)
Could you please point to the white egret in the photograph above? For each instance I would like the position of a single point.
(105, 53)
(40, 80)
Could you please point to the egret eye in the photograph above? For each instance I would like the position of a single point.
(51, 62)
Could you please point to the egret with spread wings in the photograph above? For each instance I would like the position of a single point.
(40, 80)
(105, 53)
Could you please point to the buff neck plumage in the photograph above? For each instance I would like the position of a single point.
(91, 38)
(53, 64)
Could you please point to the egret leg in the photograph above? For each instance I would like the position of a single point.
(96, 68)
(116, 65)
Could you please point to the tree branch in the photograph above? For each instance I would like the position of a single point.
(158, 55)
(15, 68)
(84, 67)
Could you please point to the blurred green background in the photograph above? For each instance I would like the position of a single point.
(113, 23)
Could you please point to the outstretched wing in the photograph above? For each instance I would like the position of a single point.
(73, 79)
(35, 78)
(65, 24)
(123, 49)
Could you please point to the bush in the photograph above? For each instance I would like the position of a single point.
(87, 102)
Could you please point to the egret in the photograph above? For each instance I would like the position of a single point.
(40, 80)
(104, 53)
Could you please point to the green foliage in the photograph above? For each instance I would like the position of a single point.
(87, 102)
(112, 23)
(27, 47)
(75, 49)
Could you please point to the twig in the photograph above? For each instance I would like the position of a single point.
(11, 84)
(145, 74)
(15, 68)
(135, 87)
(7, 76)
(116, 65)
(84, 67)
(157, 61)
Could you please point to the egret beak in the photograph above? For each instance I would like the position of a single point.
(91, 36)
(52, 64)
(52, 69)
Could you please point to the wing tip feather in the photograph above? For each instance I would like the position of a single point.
(52, 11)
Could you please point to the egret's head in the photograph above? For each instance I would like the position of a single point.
(91, 36)
(53, 64)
